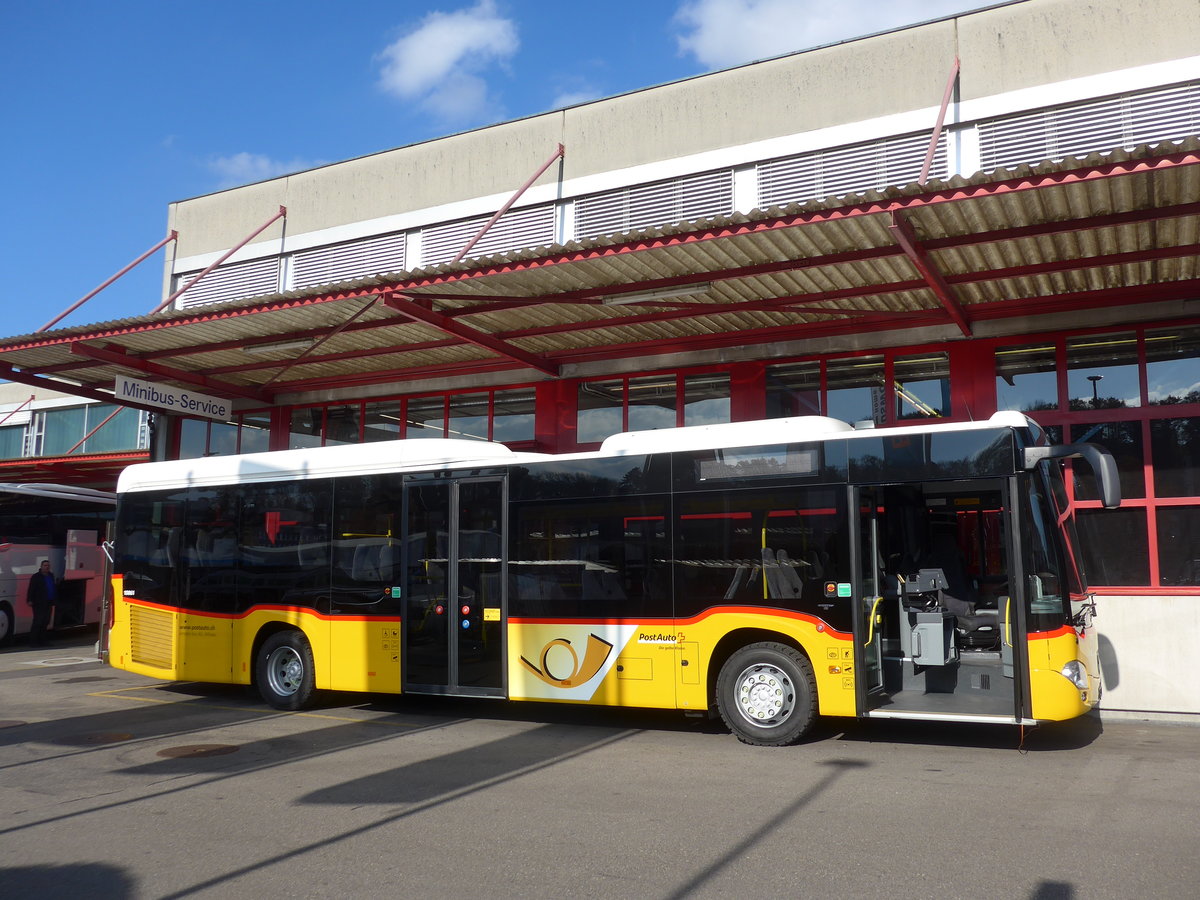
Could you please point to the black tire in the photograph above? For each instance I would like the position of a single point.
(766, 694)
(284, 671)
(7, 624)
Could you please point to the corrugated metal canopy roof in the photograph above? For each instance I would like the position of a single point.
(1109, 229)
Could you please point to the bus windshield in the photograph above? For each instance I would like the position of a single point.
(1048, 581)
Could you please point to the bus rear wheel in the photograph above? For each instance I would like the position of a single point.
(284, 671)
(6, 625)
(766, 694)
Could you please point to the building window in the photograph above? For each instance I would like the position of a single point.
(601, 410)
(512, 416)
(101, 427)
(1124, 441)
(1136, 393)
(1175, 446)
(342, 425)
(1179, 546)
(202, 437)
(1102, 371)
(1115, 547)
(1173, 366)
(425, 417)
(306, 428)
(652, 403)
(12, 441)
(648, 403)
(855, 389)
(469, 416)
(922, 385)
(381, 421)
(500, 415)
(705, 399)
(254, 435)
(1027, 377)
(794, 389)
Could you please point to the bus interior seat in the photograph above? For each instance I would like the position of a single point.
(202, 552)
(793, 587)
(366, 563)
(739, 575)
(974, 629)
(389, 562)
(782, 581)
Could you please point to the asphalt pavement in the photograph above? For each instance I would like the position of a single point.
(117, 786)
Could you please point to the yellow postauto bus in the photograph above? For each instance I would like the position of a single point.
(768, 572)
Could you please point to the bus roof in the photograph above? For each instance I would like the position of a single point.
(454, 453)
(60, 492)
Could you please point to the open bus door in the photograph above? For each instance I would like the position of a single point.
(938, 633)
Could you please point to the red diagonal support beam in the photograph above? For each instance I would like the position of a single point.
(228, 253)
(83, 440)
(12, 373)
(174, 235)
(511, 200)
(941, 120)
(125, 361)
(322, 340)
(902, 231)
(407, 308)
(13, 412)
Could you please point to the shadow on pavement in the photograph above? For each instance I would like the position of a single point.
(1048, 737)
(78, 879)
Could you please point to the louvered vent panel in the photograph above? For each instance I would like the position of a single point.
(848, 170)
(517, 229)
(230, 282)
(151, 636)
(661, 203)
(353, 259)
(1096, 126)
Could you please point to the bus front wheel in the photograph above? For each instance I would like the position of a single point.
(6, 625)
(766, 694)
(284, 670)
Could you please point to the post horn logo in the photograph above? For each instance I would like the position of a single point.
(594, 657)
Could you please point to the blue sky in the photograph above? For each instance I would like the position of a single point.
(114, 109)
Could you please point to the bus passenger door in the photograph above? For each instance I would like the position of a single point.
(941, 622)
(868, 628)
(454, 587)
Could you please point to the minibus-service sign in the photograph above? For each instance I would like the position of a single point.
(183, 402)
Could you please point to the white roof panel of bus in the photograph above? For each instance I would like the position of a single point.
(451, 453)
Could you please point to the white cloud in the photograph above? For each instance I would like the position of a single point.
(721, 33)
(440, 64)
(571, 98)
(244, 168)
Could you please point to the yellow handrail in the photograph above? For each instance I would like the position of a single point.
(871, 623)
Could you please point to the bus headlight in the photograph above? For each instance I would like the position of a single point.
(1075, 673)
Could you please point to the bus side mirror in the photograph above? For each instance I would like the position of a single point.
(1104, 467)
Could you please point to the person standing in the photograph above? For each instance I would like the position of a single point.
(42, 593)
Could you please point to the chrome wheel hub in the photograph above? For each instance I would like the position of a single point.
(285, 671)
(765, 695)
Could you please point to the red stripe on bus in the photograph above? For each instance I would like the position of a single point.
(1060, 631)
